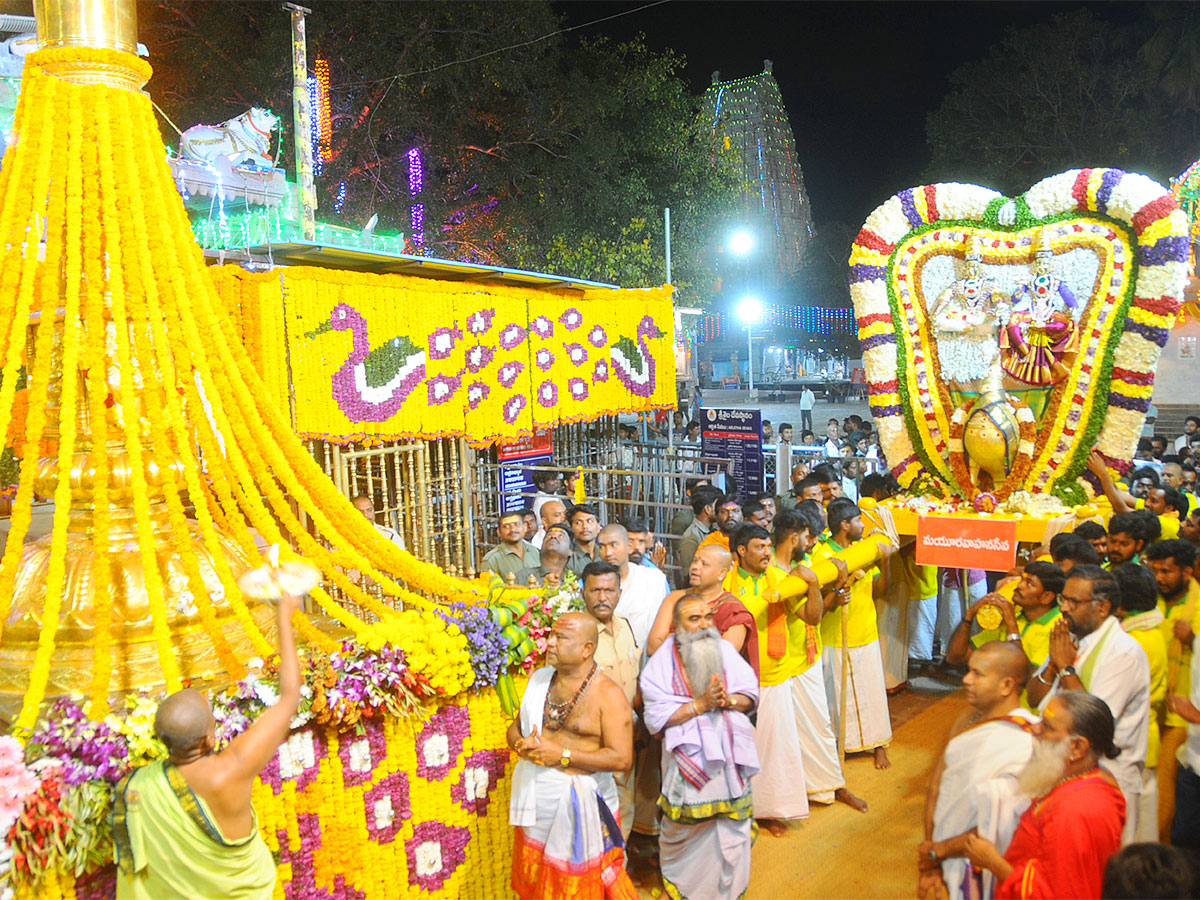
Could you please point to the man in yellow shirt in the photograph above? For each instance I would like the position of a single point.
(1027, 620)
(796, 533)
(1140, 619)
(1174, 567)
(779, 789)
(868, 724)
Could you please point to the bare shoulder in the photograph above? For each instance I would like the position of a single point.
(609, 693)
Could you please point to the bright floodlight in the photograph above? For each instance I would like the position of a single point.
(749, 310)
(741, 242)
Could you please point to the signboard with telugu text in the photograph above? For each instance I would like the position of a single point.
(516, 479)
(962, 543)
(735, 435)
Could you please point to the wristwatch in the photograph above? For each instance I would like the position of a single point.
(566, 757)
(1067, 671)
(1014, 636)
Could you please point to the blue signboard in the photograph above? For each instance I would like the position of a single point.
(516, 482)
(735, 435)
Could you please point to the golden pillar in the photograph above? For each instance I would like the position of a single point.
(111, 24)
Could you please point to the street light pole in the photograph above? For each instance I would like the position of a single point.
(750, 353)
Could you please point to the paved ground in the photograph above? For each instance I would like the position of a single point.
(838, 852)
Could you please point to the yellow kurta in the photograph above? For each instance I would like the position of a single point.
(862, 625)
(753, 591)
(1173, 613)
(169, 844)
(1152, 642)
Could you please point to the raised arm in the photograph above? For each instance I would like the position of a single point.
(1121, 501)
(251, 750)
(661, 629)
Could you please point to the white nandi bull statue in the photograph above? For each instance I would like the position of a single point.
(242, 140)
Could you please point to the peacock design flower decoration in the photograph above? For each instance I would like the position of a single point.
(372, 385)
(632, 362)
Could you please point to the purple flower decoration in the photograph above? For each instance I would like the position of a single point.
(598, 336)
(577, 388)
(512, 335)
(547, 393)
(477, 392)
(298, 759)
(435, 851)
(543, 327)
(509, 372)
(440, 742)
(571, 318)
(442, 341)
(577, 353)
(513, 407)
(479, 322)
(543, 359)
(479, 358)
(304, 883)
(361, 755)
(387, 807)
(442, 388)
(600, 373)
(480, 773)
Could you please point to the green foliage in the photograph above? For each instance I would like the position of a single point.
(544, 157)
(1053, 97)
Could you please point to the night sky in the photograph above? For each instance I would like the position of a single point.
(858, 79)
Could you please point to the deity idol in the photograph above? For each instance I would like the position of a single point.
(1041, 329)
(965, 318)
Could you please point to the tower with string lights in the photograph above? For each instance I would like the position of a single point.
(750, 114)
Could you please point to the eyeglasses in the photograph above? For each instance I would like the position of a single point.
(1068, 602)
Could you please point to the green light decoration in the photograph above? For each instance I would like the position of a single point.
(1186, 188)
(279, 225)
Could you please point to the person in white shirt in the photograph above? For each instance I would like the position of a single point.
(642, 588)
(552, 512)
(364, 505)
(807, 401)
(833, 439)
(548, 485)
(1191, 428)
(1089, 651)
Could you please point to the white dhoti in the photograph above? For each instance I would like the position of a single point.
(566, 842)
(1146, 829)
(978, 790)
(779, 787)
(710, 859)
(893, 613)
(818, 743)
(868, 721)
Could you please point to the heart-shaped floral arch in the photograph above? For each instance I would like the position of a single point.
(1134, 239)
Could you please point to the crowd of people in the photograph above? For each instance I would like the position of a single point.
(689, 713)
(700, 713)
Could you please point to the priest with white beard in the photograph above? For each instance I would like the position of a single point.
(974, 787)
(697, 691)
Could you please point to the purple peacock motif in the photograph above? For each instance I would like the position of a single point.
(372, 385)
(632, 362)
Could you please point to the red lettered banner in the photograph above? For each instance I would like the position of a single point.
(961, 543)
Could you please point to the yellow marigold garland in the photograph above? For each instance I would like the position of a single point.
(37, 121)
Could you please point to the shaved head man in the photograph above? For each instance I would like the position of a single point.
(730, 616)
(992, 739)
(575, 729)
(642, 588)
(170, 856)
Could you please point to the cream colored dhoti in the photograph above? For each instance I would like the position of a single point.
(822, 768)
(868, 721)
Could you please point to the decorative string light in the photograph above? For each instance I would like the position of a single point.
(322, 117)
(827, 321)
(416, 185)
(750, 114)
(315, 133)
